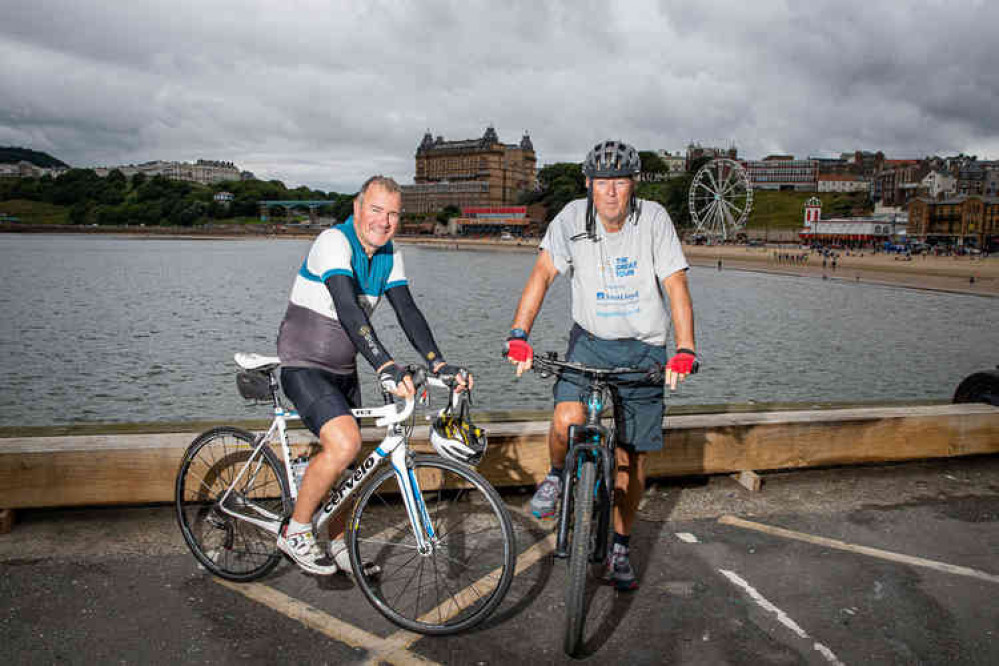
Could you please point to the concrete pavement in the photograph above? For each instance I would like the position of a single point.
(882, 564)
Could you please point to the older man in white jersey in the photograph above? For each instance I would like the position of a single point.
(623, 256)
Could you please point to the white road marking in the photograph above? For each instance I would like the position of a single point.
(687, 537)
(782, 617)
(381, 650)
(863, 550)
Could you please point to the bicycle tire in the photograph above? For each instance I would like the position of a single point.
(471, 566)
(224, 545)
(579, 558)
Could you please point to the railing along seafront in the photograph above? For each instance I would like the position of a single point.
(136, 464)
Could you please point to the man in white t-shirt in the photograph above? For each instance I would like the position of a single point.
(625, 262)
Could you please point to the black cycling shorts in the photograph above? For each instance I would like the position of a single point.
(320, 396)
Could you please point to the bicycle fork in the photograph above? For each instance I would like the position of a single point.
(412, 497)
(586, 441)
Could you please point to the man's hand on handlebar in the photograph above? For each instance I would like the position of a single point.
(396, 380)
(461, 377)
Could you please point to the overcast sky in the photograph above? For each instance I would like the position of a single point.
(324, 93)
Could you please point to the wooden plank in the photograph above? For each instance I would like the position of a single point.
(140, 468)
(749, 480)
(6, 520)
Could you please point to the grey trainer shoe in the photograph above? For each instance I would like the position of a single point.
(546, 497)
(619, 570)
(302, 548)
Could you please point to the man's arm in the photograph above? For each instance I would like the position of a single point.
(355, 323)
(542, 276)
(682, 311)
(414, 324)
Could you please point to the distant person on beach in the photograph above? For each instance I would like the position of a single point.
(343, 278)
(622, 255)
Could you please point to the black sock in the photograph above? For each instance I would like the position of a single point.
(555, 471)
(622, 539)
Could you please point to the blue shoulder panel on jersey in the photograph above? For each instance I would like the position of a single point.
(371, 275)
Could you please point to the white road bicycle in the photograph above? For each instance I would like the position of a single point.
(439, 533)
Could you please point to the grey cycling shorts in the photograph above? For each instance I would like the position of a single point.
(640, 408)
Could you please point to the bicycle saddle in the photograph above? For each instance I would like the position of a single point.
(256, 361)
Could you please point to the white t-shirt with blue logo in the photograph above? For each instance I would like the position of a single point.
(616, 280)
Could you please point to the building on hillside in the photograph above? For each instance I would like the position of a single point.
(223, 198)
(25, 169)
(864, 162)
(830, 166)
(676, 164)
(991, 185)
(938, 184)
(204, 172)
(842, 182)
(898, 182)
(960, 221)
(782, 172)
(481, 172)
(696, 151)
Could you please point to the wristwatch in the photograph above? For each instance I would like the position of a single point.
(518, 334)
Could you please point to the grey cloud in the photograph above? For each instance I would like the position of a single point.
(324, 93)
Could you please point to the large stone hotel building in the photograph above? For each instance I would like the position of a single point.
(483, 172)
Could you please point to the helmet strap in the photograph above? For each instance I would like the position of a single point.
(591, 219)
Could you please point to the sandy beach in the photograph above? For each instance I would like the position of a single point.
(965, 275)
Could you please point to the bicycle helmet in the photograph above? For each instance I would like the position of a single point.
(455, 436)
(608, 159)
(612, 159)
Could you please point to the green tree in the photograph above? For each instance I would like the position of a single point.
(449, 211)
(651, 162)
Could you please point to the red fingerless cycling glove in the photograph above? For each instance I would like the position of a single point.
(518, 349)
(684, 363)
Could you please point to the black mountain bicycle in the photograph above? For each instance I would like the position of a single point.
(588, 481)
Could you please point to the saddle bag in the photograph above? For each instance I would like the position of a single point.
(253, 384)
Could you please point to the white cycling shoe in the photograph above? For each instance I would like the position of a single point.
(302, 548)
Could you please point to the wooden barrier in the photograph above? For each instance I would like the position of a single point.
(80, 470)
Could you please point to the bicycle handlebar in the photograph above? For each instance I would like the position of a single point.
(549, 364)
(389, 414)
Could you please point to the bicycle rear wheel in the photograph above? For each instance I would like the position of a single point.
(226, 546)
(469, 569)
(579, 558)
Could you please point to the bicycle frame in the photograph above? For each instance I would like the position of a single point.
(594, 440)
(393, 447)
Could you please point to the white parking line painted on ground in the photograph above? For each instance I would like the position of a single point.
(782, 617)
(863, 550)
(687, 537)
(380, 650)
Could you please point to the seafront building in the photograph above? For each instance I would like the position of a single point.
(782, 172)
(963, 220)
(482, 172)
(873, 230)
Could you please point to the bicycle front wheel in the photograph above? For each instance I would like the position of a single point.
(467, 571)
(228, 547)
(579, 558)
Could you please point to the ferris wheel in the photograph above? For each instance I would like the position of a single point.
(720, 198)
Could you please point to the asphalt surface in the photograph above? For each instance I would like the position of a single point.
(875, 565)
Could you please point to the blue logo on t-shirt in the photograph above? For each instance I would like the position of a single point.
(625, 266)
